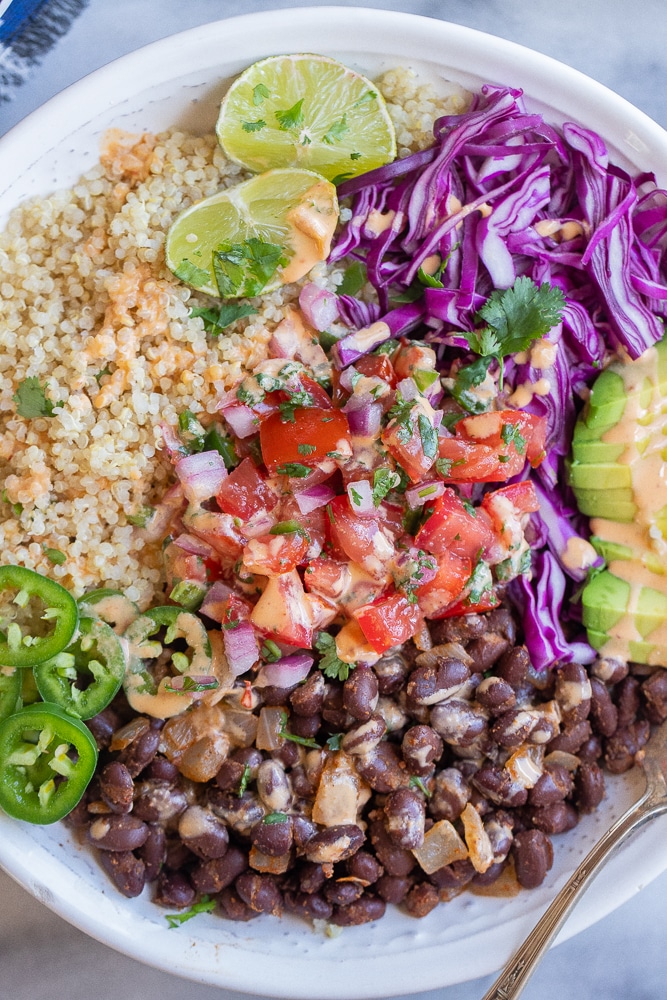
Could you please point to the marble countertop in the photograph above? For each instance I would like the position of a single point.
(624, 955)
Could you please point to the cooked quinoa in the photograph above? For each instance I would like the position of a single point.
(89, 309)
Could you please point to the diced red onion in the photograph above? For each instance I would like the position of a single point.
(172, 443)
(165, 513)
(201, 475)
(318, 306)
(366, 421)
(215, 602)
(241, 419)
(260, 523)
(241, 647)
(346, 351)
(360, 494)
(424, 492)
(313, 497)
(285, 673)
(198, 547)
(408, 389)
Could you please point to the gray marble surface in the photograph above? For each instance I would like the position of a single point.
(623, 46)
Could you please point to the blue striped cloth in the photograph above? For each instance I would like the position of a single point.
(28, 29)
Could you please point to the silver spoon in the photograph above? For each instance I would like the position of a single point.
(652, 803)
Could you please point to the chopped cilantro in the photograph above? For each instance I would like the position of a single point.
(416, 782)
(217, 440)
(243, 269)
(468, 378)
(205, 905)
(355, 156)
(291, 117)
(190, 684)
(255, 126)
(428, 435)
(270, 651)
(291, 527)
(54, 555)
(515, 318)
(295, 470)
(333, 742)
(306, 449)
(275, 817)
(217, 320)
(304, 741)
(31, 400)
(17, 508)
(356, 496)
(297, 399)
(388, 347)
(480, 582)
(100, 375)
(260, 93)
(141, 518)
(191, 274)
(383, 482)
(512, 435)
(336, 132)
(341, 178)
(443, 466)
(470, 510)
(368, 95)
(330, 664)
(191, 431)
(400, 416)
(245, 778)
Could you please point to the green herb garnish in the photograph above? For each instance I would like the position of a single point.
(31, 400)
(191, 274)
(291, 117)
(205, 905)
(295, 470)
(330, 664)
(304, 741)
(244, 269)
(217, 320)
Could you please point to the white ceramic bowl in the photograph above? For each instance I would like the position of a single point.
(180, 80)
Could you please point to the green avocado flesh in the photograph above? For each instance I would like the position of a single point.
(620, 617)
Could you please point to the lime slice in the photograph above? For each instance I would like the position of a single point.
(255, 236)
(306, 111)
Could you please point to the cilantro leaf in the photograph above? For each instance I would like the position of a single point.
(304, 741)
(400, 417)
(297, 399)
(467, 379)
(354, 279)
(306, 449)
(291, 117)
(336, 131)
(260, 93)
(55, 556)
(255, 126)
(428, 435)
(418, 783)
(330, 664)
(205, 905)
(515, 318)
(244, 269)
(384, 481)
(31, 400)
(216, 320)
(191, 274)
(294, 469)
(512, 435)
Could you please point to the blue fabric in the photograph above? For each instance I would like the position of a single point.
(13, 13)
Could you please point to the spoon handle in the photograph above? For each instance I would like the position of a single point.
(525, 960)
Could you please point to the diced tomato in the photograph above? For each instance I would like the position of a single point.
(346, 583)
(454, 528)
(245, 491)
(314, 524)
(405, 443)
(235, 609)
(512, 432)
(477, 463)
(388, 622)
(410, 358)
(283, 612)
(377, 366)
(488, 602)
(181, 565)
(521, 495)
(218, 529)
(358, 538)
(452, 575)
(271, 555)
(309, 439)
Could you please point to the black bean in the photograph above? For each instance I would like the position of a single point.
(462, 629)
(454, 876)
(495, 695)
(302, 786)
(458, 722)
(240, 813)
(335, 843)
(362, 911)
(513, 666)
(620, 750)
(591, 750)
(333, 710)
(342, 893)
(421, 899)
(126, 871)
(308, 698)
(654, 690)
(310, 906)
(217, 873)
(449, 795)
(203, 832)
(364, 737)
(573, 692)
(174, 889)
(259, 892)
(604, 713)
(240, 767)
(103, 726)
(382, 768)
(177, 854)
(571, 738)
(533, 857)
(497, 786)
(140, 752)
(395, 860)
(421, 748)
(153, 852)
(161, 769)
(405, 813)
(311, 877)
(273, 835)
(234, 908)
(393, 888)
(626, 696)
(609, 671)
(589, 786)
(554, 784)
(513, 728)
(273, 786)
(502, 621)
(360, 693)
(391, 671)
(288, 753)
(305, 726)
(117, 833)
(436, 680)
(487, 650)
(157, 802)
(499, 829)
(558, 817)
(364, 866)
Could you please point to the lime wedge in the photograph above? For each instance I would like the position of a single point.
(306, 111)
(255, 236)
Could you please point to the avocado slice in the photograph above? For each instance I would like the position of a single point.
(595, 452)
(613, 505)
(604, 601)
(651, 611)
(611, 476)
(607, 401)
(611, 550)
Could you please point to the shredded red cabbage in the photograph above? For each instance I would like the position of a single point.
(500, 194)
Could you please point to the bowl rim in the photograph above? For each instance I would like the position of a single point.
(546, 81)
